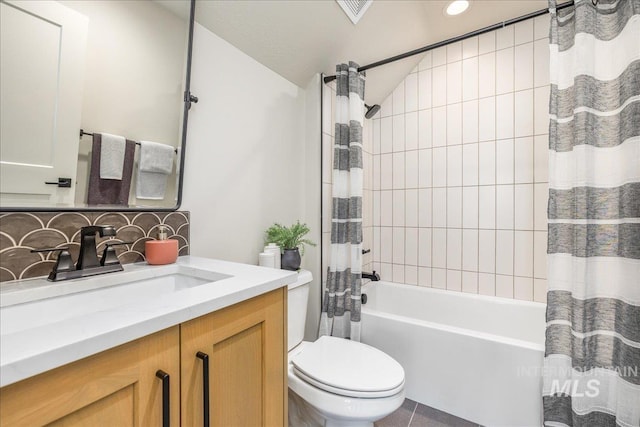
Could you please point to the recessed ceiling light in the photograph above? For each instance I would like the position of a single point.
(456, 7)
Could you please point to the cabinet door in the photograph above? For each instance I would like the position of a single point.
(117, 387)
(245, 345)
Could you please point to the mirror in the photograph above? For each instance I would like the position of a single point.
(73, 68)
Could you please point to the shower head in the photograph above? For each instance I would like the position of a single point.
(371, 110)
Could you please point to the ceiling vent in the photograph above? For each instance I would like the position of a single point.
(354, 8)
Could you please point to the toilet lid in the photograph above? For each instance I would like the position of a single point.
(348, 368)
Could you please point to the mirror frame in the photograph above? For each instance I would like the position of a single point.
(188, 98)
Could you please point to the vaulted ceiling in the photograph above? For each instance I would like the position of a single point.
(299, 38)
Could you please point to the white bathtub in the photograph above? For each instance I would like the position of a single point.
(476, 357)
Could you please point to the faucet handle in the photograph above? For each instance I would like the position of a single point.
(109, 256)
(63, 263)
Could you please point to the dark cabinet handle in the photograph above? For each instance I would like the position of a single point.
(166, 407)
(205, 386)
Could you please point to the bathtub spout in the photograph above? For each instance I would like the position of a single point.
(374, 277)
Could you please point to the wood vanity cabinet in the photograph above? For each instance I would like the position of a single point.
(117, 387)
(245, 348)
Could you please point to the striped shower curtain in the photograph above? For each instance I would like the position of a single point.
(592, 358)
(341, 301)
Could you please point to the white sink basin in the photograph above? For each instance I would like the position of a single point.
(66, 300)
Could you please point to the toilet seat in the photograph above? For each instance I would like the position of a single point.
(348, 368)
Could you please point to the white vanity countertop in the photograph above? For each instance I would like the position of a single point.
(47, 345)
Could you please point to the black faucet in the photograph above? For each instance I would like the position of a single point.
(374, 277)
(88, 257)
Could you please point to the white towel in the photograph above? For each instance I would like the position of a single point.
(154, 167)
(112, 156)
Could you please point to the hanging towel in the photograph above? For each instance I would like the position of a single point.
(110, 191)
(112, 156)
(154, 167)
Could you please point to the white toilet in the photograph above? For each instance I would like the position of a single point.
(333, 381)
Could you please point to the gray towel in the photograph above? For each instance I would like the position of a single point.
(110, 191)
(154, 167)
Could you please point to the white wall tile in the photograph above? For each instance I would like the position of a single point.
(439, 248)
(540, 198)
(504, 161)
(398, 99)
(439, 56)
(470, 207)
(470, 164)
(454, 165)
(454, 124)
(470, 282)
(376, 208)
(487, 119)
(504, 71)
(454, 248)
(523, 31)
(439, 126)
(454, 82)
(439, 207)
(424, 168)
(504, 207)
(375, 125)
(469, 47)
(541, 110)
(386, 171)
(411, 93)
(386, 271)
(486, 42)
(424, 207)
(504, 252)
(524, 113)
(439, 278)
(523, 196)
(540, 254)
(541, 158)
(398, 133)
(470, 122)
(486, 284)
(487, 256)
(540, 290)
(386, 135)
(523, 288)
(487, 74)
(326, 207)
(504, 116)
(411, 169)
(470, 79)
(487, 207)
(398, 170)
(454, 207)
(398, 273)
(439, 166)
(410, 274)
(541, 62)
(454, 280)
(386, 244)
(523, 254)
(504, 37)
(411, 208)
(424, 276)
(425, 63)
(424, 129)
(386, 108)
(424, 89)
(487, 163)
(454, 52)
(398, 245)
(523, 151)
(411, 247)
(411, 131)
(504, 286)
(398, 208)
(376, 172)
(523, 62)
(386, 208)
(375, 250)
(439, 90)
(541, 27)
(424, 247)
(470, 250)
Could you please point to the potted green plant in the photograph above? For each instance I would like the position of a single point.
(291, 241)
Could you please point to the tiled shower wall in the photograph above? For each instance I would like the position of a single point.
(458, 155)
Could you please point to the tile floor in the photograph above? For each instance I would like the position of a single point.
(413, 414)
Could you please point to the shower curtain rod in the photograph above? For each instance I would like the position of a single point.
(540, 12)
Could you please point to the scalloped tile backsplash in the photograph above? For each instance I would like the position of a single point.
(22, 231)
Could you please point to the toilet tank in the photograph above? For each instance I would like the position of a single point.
(297, 308)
